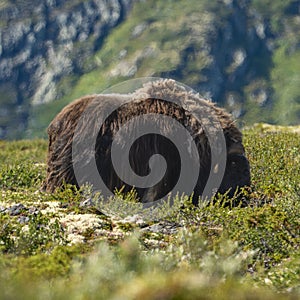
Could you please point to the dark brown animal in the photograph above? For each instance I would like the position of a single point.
(162, 97)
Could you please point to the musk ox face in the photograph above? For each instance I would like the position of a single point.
(237, 171)
(152, 101)
(237, 174)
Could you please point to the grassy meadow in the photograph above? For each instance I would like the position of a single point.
(54, 246)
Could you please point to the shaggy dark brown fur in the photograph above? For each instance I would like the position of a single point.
(152, 98)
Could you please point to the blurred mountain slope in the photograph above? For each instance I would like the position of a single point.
(242, 54)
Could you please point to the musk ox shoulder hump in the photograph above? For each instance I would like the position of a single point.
(161, 97)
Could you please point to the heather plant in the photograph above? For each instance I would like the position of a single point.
(60, 245)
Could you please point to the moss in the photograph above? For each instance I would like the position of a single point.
(250, 251)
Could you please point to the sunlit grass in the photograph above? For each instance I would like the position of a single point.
(215, 251)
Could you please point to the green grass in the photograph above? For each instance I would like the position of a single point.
(218, 252)
(285, 78)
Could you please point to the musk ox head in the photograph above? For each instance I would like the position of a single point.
(97, 122)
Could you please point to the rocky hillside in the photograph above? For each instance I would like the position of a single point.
(42, 43)
(244, 54)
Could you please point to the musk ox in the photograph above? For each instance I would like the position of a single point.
(156, 99)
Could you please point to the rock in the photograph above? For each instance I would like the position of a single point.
(23, 219)
(135, 219)
(33, 211)
(16, 209)
(138, 30)
(37, 48)
(163, 227)
(87, 203)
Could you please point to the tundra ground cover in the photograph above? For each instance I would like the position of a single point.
(56, 246)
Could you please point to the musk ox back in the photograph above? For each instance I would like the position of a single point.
(158, 101)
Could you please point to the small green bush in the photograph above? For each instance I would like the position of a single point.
(219, 250)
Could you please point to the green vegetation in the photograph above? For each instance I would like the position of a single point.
(243, 55)
(52, 246)
(148, 44)
(195, 42)
(286, 84)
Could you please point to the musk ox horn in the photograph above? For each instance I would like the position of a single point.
(158, 98)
